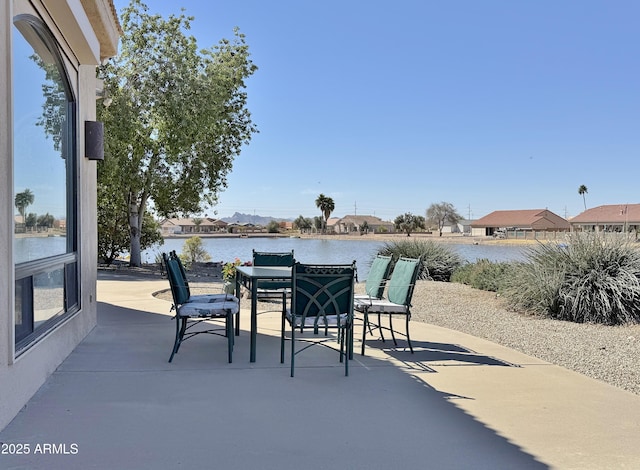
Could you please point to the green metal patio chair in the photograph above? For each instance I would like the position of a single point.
(273, 289)
(192, 298)
(321, 298)
(185, 281)
(376, 279)
(398, 302)
(198, 298)
(194, 310)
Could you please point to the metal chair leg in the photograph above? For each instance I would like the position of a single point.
(181, 327)
(365, 325)
(395, 343)
(380, 327)
(293, 347)
(282, 326)
(408, 338)
(347, 352)
(352, 331)
(230, 338)
(176, 342)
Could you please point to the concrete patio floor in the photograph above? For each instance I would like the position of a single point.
(459, 402)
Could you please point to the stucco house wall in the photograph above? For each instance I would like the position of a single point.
(353, 224)
(608, 218)
(86, 32)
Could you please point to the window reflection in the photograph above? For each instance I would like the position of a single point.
(48, 296)
(45, 198)
(41, 113)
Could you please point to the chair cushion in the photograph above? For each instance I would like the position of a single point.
(219, 307)
(378, 273)
(363, 297)
(378, 306)
(309, 322)
(211, 298)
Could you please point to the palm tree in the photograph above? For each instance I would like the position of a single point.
(326, 206)
(197, 221)
(24, 200)
(582, 190)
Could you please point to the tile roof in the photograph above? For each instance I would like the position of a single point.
(609, 214)
(540, 219)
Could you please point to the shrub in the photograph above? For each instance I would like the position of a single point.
(194, 252)
(594, 278)
(438, 261)
(229, 270)
(273, 227)
(483, 274)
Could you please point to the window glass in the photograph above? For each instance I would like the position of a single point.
(48, 296)
(40, 150)
(44, 242)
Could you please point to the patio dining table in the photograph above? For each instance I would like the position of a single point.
(249, 277)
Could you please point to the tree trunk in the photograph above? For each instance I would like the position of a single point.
(134, 231)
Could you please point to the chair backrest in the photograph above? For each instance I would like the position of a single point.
(183, 272)
(403, 280)
(261, 258)
(321, 290)
(179, 290)
(377, 277)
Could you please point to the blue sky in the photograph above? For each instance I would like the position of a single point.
(388, 107)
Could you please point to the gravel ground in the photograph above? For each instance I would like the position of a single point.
(610, 354)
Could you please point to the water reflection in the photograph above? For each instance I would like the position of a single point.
(31, 248)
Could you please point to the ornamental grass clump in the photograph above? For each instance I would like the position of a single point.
(593, 279)
(439, 261)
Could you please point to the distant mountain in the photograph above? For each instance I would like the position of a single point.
(252, 219)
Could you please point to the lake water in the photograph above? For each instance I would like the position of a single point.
(306, 250)
(30, 248)
(321, 251)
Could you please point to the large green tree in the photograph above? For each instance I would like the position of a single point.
(177, 119)
(442, 213)
(113, 237)
(409, 222)
(302, 223)
(31, 221)
(326, 206)
(45, 220)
